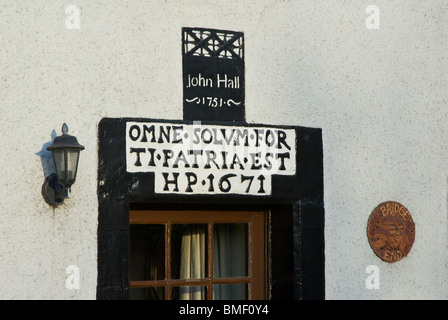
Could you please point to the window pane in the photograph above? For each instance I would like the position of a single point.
(147, 293)
(189, 293)
(235, 291)
(188, 251)
(147, 252)
(230, 250)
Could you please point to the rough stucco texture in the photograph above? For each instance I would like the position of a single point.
(379, 96)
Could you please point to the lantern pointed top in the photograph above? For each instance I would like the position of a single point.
(65, 141)
(64, 128)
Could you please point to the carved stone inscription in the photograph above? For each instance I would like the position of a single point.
(391, 231)
(210, 159)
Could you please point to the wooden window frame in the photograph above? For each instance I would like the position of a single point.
(257, 247)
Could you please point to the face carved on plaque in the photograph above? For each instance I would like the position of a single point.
(391, 231)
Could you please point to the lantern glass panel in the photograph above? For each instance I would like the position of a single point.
(72, 164)
(66, 163)
(59, 162)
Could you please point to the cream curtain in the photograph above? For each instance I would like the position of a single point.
(229, 260)
(193, 261)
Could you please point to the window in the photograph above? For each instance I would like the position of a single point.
(197, 255)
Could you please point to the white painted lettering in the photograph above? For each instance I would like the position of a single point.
(192, 159)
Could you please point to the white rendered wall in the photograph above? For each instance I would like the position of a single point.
(379, 96)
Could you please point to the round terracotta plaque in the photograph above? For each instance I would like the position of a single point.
(391, 231)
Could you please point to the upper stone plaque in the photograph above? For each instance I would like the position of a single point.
(213, 74)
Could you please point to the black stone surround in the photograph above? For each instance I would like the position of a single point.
(296, 213)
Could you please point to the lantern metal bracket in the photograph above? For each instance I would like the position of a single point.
(52, 191)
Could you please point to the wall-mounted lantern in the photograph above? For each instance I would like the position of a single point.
(65, 150)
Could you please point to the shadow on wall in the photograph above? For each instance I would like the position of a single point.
(46, 157)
